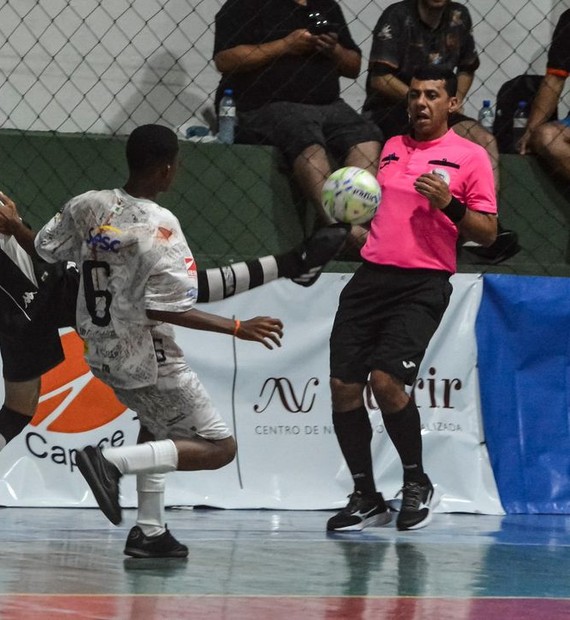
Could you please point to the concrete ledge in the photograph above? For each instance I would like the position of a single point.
(237, 202)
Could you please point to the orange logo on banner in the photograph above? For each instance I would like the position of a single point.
(94, 406)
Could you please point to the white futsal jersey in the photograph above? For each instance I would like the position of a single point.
(132, 257)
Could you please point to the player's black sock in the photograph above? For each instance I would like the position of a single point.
(404, 429)
(12, 424)
(354, 433)
(221, 282)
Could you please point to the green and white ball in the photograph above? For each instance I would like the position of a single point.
(351, 195)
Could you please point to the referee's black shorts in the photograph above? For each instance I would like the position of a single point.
(385, 320)
(30, 317)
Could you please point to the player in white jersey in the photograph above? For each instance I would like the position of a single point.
(137, 276)
(37, 298)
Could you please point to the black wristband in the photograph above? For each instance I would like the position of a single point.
(455, 210)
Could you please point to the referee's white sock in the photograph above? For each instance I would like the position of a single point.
(152, 456)
(150, 492)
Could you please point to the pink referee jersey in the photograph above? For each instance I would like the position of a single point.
(407, 231)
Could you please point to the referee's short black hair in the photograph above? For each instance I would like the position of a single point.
(149, 146)
(434, 72)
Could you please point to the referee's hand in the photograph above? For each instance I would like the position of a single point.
(434, 188)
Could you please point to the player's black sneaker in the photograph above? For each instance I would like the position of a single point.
(316, 251)
(162, 546)
(103, 480)
(418, 501)
(360, 512)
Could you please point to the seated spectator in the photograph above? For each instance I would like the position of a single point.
(417, 33)
(283, 61)
(551, 140)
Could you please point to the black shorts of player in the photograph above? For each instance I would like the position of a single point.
(292, 127)
(385, 321)
(30, 317)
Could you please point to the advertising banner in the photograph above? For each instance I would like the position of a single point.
(277, 403)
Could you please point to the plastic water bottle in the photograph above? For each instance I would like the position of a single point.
(486, 115)
(227, 117)
(520, 121)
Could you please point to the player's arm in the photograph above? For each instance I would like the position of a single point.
(11, 224)
(472, 225)
(264, 329)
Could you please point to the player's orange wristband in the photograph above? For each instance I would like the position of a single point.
(237, 325)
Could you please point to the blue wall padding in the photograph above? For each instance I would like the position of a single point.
(523, 336)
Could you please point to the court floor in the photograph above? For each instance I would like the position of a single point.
(282, 565)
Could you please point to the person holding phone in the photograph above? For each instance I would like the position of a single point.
(284, 60)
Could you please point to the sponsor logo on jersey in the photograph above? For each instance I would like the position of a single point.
(190, 265)
(163, 233)
(100, 239)
(28, 298)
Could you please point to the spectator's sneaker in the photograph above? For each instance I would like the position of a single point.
(162, 546)
(505, 246)
(418, 501)
(318, 250)
(360, 512)
(103, 480)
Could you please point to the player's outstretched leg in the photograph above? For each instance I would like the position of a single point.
(318, 250)
(103, 480)
(162, 546)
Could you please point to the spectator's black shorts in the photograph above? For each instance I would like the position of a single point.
(30, 318)
(292, 127)
(385, 320)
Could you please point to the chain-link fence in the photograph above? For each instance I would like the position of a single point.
(78, 76)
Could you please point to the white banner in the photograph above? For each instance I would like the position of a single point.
(278, 405)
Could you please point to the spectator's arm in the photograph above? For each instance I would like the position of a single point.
(389, 86)
(243, 58)
(543, 107)
(546, 100)
(464, 81)
(347, 61)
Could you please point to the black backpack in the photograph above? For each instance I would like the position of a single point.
(521, 88)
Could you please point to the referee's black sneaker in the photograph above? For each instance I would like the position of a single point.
(360, 512)
(418, 501)
(162, 546)
(319, 249)
(103, 480)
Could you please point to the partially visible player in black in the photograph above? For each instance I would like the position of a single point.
(37, 298)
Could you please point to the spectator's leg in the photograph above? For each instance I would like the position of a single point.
(473, 131)
(311, 169)
(551, 142)
(364, 155)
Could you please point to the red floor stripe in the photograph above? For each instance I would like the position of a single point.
(146, 607)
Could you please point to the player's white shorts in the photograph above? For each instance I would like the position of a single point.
(181, 412)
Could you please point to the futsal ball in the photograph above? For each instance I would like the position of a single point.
(351, 195)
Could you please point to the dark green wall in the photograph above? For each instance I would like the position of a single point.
(237, 202)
